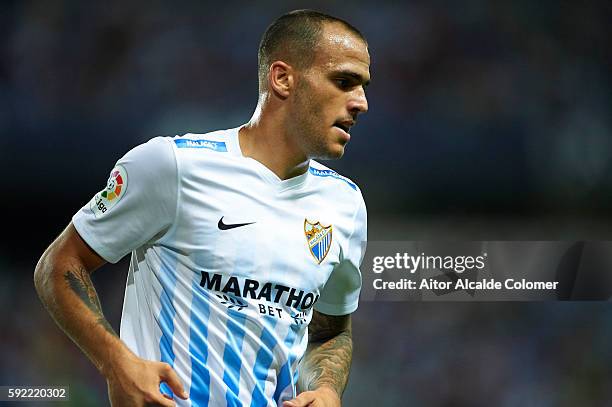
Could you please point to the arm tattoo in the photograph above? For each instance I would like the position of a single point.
(80, 283)
(330, 349)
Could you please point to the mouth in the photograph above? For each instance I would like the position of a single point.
(344, 125)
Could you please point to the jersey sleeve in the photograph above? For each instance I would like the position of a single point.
(340, 296)
(137, 205)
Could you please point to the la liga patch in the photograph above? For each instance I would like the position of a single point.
(116, 186)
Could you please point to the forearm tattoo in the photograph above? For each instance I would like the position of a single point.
(80, 283)
(330, 350)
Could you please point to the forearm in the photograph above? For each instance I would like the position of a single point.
(65, 288)
(327, 362)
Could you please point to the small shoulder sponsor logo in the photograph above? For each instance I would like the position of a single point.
(208, 144)
(330, 173)
(318, 238)
(116, 186)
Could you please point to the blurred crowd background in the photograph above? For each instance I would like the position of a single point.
(488, 120)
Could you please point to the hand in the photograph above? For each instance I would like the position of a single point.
(322, 397)
(134, 382)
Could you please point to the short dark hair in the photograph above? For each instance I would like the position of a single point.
(293, 37)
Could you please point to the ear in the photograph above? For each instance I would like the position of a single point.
(281, 78)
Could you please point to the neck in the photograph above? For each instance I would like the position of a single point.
(265, 138)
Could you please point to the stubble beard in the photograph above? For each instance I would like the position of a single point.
(310, 133)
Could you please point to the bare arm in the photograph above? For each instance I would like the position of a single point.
(62, 280)
(330, 350)
(326, 364)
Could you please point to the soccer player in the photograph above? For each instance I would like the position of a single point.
(245, 252)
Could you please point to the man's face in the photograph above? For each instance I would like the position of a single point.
(330, 93)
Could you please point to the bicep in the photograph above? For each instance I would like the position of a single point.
(323, 326)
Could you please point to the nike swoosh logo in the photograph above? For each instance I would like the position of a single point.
(227, 226)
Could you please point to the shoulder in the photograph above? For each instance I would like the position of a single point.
(213, 141)
(325, 174)
(152, 156)
(153, 148)
(152, 163)
(336, 183)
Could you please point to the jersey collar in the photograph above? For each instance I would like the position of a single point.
(267, 174)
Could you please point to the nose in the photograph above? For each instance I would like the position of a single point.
(358, 102)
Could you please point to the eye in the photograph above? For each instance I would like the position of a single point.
(343, 83)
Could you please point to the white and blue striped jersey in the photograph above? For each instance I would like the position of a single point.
(228, 262)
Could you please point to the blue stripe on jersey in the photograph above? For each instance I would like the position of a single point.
(296, 373)
(284, 378)
(264, 359)
(330, 173)
(199, 393)
(320, 249)
(167, 279)
(231, 356)
(296, 376)
(209, 144)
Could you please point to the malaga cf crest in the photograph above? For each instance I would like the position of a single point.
(319, 239)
